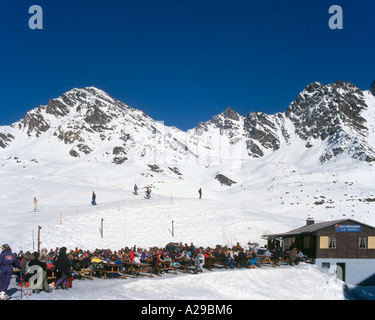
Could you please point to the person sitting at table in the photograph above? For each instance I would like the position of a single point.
(156, 261)
(175, 263)
(50, 261)
(118, 262)
(86, 262)
(174, 254)
(144, 255)
(300, 256)
(230, 258)
(185, 258)
(37, 262)
(253, 259)
(241, 258)
(167, 258)
(96, 261)
(199, 262)
(136, 258)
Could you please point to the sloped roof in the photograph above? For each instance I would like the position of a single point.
(311, 228)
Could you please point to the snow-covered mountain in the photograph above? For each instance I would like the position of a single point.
(260, 174)
(336, 116)
(89, 124)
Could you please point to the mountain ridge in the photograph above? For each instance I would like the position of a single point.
(88, 122)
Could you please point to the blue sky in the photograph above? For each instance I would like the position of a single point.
(182, 61)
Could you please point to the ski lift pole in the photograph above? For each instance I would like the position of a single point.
(102, 228)
(39, 227)
(172, 228)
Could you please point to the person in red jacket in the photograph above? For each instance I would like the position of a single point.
(131, 254)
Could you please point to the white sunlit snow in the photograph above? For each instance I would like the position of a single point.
(260, 204)
(85, 141)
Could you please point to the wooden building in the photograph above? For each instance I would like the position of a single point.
(343, 247)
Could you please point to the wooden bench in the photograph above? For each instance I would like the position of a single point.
(109, 268)
(242, 264)
(284, 259)
(265, 260)
(84, 271)
(165, 267)
(186, 267)
(138, 268)
(51, 273)
(215, 262)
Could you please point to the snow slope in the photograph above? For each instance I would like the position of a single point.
(304, 282)
(269, 194)
(268, 197)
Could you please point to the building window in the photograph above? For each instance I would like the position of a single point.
(362, 242)
(371, 242)
(328, 242)
(326, 266)
(332, 243)
(323, 242)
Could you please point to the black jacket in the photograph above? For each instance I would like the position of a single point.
(63, 264)
(37, 262)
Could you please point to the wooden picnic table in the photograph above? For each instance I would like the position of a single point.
(138, 268)
(51, 273)
(285, 258)
(109, 268)
(167, 265)
(267, 260)
(242, 263)
(186, 265)
(84, 271)
(217, 262)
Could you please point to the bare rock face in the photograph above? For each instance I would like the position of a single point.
(224, 181)
(372, 89)
(95, 125)
(332, 113)
(5, 139)
(262, 128)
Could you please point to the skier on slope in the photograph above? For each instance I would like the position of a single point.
(135, 189)
(35, 204)
(148, 193)
(8, 260)
(93, 201)
(200, 193)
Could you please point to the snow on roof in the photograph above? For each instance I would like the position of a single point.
(312, 228)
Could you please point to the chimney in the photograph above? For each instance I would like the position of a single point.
(310, 221)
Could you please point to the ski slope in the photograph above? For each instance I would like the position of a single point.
(271, 196)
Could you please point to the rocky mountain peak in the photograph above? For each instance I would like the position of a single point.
(229, 113)
(88, 122)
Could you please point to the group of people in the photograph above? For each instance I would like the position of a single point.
(136, 188)
(67, 263)
(148, 194)
(148, 191)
